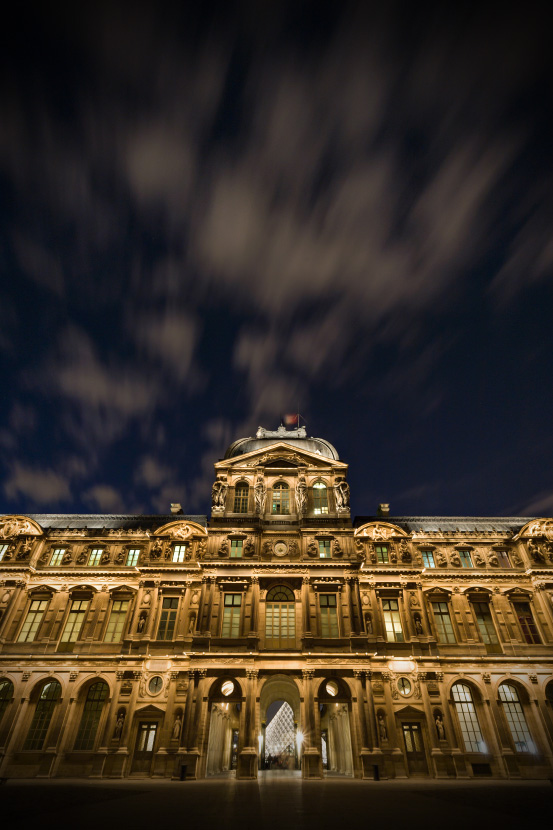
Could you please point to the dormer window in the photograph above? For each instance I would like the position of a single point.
(281, 499)
(241, 497)
(320, 498)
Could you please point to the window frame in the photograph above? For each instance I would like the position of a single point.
(467, 716)
(530, 639)
(427, 555)
(43, 715)
(282, 489)
(178, 556)
(517, 723)
(482, 627)
(442, 629)
(91, 715)
(169, 621)
(465, 556)
(288, 618)
(131, 552)
(80, 614)
(236, 545)
(391, 616)
(241, 497)
(57, 554)
(6, 694)
(329, 620)
(503, 557)
(42, 611)
(320, 505)
(94, 559)
(325, 548)
(231, 618)
(3, 550)
(119, 619)
(382, 551)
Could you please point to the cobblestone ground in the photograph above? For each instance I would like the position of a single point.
(274, 802)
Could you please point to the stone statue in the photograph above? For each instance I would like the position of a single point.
(382, 730)
(418, 625)
(141, 623)
(202, 549)
(223, 548)
(479, 560)
(455, 559)
(336, 548)
(515, 559)
(120, 558)
(81, 559)
(191, 623)
(440, 729)
(293, 548)
(535, 551)
(493, 560)
(301, 495)
(218, 494)
(413, 601)
(259, 494)
(177, 728)
(404, 551)
(368, 623)
(105, 558)
(157, 549)
(67, 558)
(117, 732)
(441, 559)
(25, 549)
(312, 549)
(341, 492)
(249, 548)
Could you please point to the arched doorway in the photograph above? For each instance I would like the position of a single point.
(224, 719)
(281, 736)
(334, 708)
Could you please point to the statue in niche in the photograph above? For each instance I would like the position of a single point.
(336, 548)
(223, 548)
(404, 553)
(293, 548)
(441, 559)
(157, 549)
(440, 728)
(259, 494)
(359, 547)
(455, 559)
(413, 601)
(382, 730)
(141, 625)
(493, 560)
(119, 724)
(25, 549)
(535, 551)
(81, 559)
(393, 554)
(120, 558)
(249, 548)
(105, 559)
(44, 557)
(218, 494)
(191, 623)
(67, 558)
(312, 549)
(341, 492)
(177, 726)
(202, 548)
(418, 625)
(301, 495)
(515, 559)
(368, 623)
(479, 560)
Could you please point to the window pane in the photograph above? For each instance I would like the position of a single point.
(515, 718)
(468, 721)
(329, 615)
(392, 621)
(465, 557)
(116, 624)
(6, 694)
(281, 499)
(43, 715)
(236, 548)
(382, 553)
(428, 558)
(94, 557)
(320, 498)
(485, 622)
(324, 549)
(34, 617)
(168, 618)
(57, 556)
(179, 553)
(92, 713)
(231, 615)
(503, 557)
(442, 619)
(526, 622)
(132, 557)
(74, 621)
(241, 498)
(3, 549)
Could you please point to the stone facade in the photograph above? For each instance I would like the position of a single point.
(154, 645)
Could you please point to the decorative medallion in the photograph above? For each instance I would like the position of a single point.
(280, 548)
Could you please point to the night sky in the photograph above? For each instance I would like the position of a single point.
(215, 214)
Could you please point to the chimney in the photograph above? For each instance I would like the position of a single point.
(383, 510)
(176, 508)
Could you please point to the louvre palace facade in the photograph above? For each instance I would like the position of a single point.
(388, 646)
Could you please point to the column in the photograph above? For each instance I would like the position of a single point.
(247, 758)
(311, 756)
(353, 621)
(157, 598)
(305, 600)
(254, 618)
(359, 608)
(15, 605)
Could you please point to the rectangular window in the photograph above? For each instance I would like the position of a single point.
(464, 556)
(3, 549)
(442, 619)
(179, 553)
(116, 623)
(485, 622)
(392, 621)
(94, 557)
(57, 556)
(74, 621)
(132, 557)
(503, 557)
(324, 549)
(428, 559)
(526, 622)
(241, 499)
(231, 615)
(236, 546)
(34, 617)
(329, 615)
(382, 553)
(320, 499)
(168, 618)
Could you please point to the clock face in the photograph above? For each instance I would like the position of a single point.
(404, 686)
(155, 684)
(280, 548)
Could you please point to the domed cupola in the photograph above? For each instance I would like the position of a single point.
(297, 438)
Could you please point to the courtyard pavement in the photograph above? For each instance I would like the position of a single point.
(276, 801)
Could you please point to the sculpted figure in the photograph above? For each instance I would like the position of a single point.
(479, 560)
(493, 560)
(418, 625)
(301, 495)
(223, 549)
(535, 551)
(25, 549)
(413, 601)
(67, 558)
(141, 623)
(440, 729)
(404, 551)
(293, 548)
(249, 548)
(81, 559)
(157, 549)
(341, 492)
(312, 549)
(191, 623)
(455, 559)
(105, 558)
(441, 559)
(382, 730)
(336, 548)
(202, 547)
(218, 494)
(515, 558)
(120, 558)
(119, 725)
(177, 728)
(259, 494)
(368, 623)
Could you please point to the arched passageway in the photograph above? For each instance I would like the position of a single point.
(334, 707)
(224, 720)
(281, 736)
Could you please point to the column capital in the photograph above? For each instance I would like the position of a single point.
(252, 674)
(308, 674)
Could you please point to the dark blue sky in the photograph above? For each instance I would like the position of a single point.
(216, 213)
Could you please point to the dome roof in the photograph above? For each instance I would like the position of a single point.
(297, 438)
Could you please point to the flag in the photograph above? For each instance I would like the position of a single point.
(291, 420)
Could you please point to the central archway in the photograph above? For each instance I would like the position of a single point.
(280, 735)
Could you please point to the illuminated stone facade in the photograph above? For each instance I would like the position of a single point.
(153, 645)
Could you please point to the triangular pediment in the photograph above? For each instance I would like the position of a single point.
(288, 454)
(410, 711)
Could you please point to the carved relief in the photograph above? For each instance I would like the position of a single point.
(11, 526)
(341, 493)
(260, 495)
(219, 493)
(301, 495)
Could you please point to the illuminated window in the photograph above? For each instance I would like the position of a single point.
(57, 556)
(281, 498)
(527, 624)
(485, 622)
(320, 498)
(324, 549)
(179, 553)
(116, 623)
(132, 557)
(74, 620)
(94, 557)
(468, 720)
(465, 557)
(428, 559)
(381, 553)
(442, 620)
(168, 618)
(241, 496)
(392, 621)
(231, 615)
(92, 712)
(3, 549)
(503, 557)
(329, 615)
(280, 618)
(6, 695)
(236, 546)
(42, 717)
(512, 707)
(33, 620)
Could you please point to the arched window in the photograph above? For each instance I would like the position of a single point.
(468, 720)
(280, 618)
(514, 713)
(320, 498)
(241, 495)
(281, 498)
(6, 694)
(47, 700)
(94, 703)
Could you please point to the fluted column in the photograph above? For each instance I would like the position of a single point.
(247, 758)
(305, 606)
(363, 732)
(254, 618)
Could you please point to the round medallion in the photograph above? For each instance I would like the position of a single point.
(404, 686)
(280, 548)
(155, 685)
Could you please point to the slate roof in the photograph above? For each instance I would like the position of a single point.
(451, 524)
(109, 520)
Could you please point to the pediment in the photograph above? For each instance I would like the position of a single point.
(537, 527)
(379, 531)
(19, 526)
(411, 711)
(288, 454)
(149, 711)
(181, 530)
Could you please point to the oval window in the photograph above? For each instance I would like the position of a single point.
(404, 686)
(332, 688)
(155, 684)
(227, 688)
